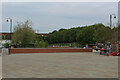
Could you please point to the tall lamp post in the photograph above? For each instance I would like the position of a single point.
(111, 19)
(9, 19)
(111, 16)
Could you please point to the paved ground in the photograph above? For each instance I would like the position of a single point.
(59, 65)
(0, 64)
(0, 67)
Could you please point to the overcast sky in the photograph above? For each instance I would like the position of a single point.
(49, 16)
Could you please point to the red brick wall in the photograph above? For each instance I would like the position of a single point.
(48, 50)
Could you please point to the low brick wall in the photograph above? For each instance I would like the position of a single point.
(47, 50)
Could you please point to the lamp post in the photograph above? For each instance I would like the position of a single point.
(111, 16)
(111, 19)
(10, 26)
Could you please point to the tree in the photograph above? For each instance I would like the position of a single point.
(85, 36)
(102, 34)
(7, 37)
(119, 33)
(115, 34)
(39, 37)
(1, 37)
(24, 34)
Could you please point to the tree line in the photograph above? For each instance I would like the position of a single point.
(84, 35)
(25, 36)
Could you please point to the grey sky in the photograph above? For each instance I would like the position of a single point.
(49, 16)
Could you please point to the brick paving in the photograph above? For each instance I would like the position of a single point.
(59, 65)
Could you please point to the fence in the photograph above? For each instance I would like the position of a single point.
(47, 50)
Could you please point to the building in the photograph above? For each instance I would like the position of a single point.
(4, 34)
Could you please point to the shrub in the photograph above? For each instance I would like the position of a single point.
(41, 44)
(6, 45)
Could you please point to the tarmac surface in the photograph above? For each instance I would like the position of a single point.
(0, 67)
(59, 65)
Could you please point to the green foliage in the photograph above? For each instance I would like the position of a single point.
(1, 37)
(75, 45)
(6, 45)
(62, 36)
(102, 34)
(66, 44)
(7, 37)
(115, 34)
(74, 37)
(41, 44)
(85, 35)
(61, 44)
(39, 37)
(119, 33)
(24, 34)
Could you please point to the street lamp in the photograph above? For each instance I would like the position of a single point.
(111, 16)
(10, 26)
(111, 19)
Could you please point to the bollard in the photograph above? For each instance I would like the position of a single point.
(5, 51)
(9, 51)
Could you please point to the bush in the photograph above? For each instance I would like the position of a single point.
(6, 45)
(75, 45)
(41, 44)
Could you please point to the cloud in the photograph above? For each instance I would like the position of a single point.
(52, 15)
